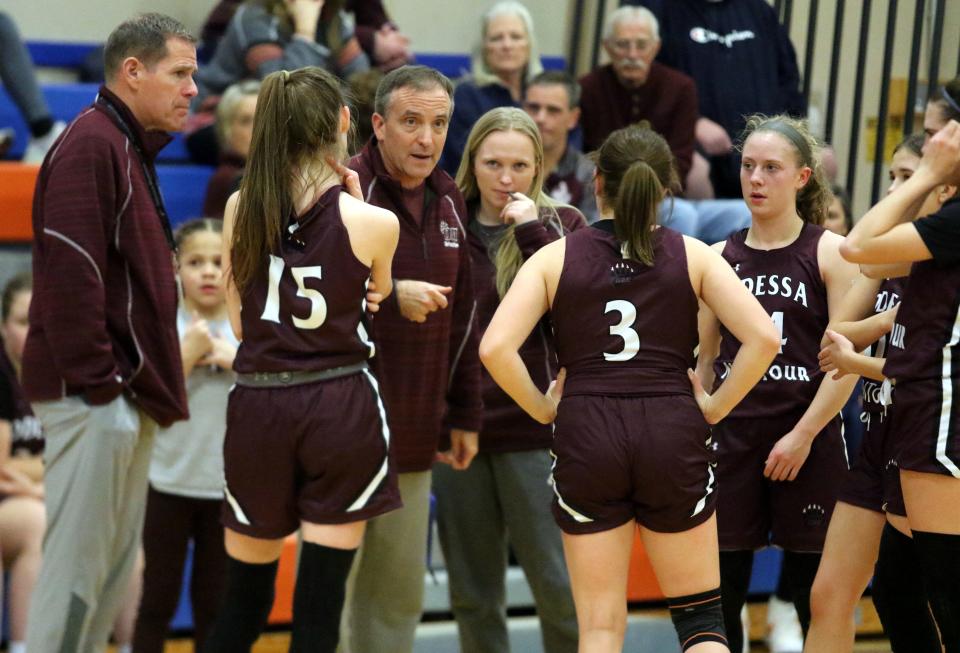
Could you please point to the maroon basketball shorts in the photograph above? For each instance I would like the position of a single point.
(874, 481)
(926, 428)
(316, 452)
(754, 511)
(619, 459)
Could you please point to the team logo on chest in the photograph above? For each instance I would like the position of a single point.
(451, 236)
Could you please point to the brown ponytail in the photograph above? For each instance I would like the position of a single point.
(637, 168)
(296, 123)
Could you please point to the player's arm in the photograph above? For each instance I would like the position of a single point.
(519, 312)
(728, 299)
(384, 229)
(857, 304)
(709, 329)
(229, 287)
(886, 233)
(791, 451)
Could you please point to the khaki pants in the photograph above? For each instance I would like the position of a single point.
(96, 458)
(385, 589)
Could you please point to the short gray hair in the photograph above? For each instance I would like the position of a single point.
(144, 37)
(631, 14)
(419, 78)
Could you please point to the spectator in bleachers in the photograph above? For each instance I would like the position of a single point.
(742, 62)
(385, 45)
(839, 218)
(234, 131)
(502, 65)
(22, 516)
(101, 364)
(427, 358)
(633, 87)
(553, 101)
(16, 73)
(264, 36)
(363, 92)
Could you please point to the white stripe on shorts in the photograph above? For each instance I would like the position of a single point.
(583, 519)
(702, 503)
(946, 406)
(361, 501)
(235, 506)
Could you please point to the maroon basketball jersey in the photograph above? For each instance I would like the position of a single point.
(623, 328)
(26, 430)
(303, 310)
(888, 296)
(787, 283)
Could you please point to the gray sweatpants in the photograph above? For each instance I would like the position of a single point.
(16, 72)
(96, 459)
(501, 498)
(385, 589)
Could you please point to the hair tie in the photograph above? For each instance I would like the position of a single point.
(286, 76)
(946, 96)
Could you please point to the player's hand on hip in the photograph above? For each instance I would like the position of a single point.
(787, 456)
(417, 299)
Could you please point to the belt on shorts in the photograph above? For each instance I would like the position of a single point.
(283, 379)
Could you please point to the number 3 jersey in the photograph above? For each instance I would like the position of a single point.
(623, 328)
(788, 284)
(303, 310)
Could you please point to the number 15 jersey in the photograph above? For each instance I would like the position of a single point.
(623, 328)
(303, 309)
(788, 284)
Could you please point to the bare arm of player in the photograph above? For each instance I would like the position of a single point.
(229, 287)
(709, 331)
(519, 312)
(885, 270)
(884, 234)
(718, 286)
(373, 233)
(791, 451)
(840, 357)
(857, 305)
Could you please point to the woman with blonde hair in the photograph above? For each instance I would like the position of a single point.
(503, 498)
(505, 61)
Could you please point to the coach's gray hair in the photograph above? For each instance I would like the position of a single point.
(144, 37)
(628, 14)
(479, 70)
(419, 78)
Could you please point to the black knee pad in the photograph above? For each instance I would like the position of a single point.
(698, 618)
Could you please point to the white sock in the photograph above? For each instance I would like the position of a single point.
(17, 647)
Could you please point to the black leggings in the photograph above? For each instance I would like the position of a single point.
(171, 522)
(797, 574)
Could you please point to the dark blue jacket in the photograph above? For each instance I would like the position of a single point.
(738, 54)
(470, 101)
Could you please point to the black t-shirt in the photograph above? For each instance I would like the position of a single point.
(940, 232)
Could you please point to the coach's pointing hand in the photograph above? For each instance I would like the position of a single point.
(417, 299)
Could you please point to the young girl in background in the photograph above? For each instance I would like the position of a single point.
(186, 471)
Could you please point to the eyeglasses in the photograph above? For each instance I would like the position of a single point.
(624, 45)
